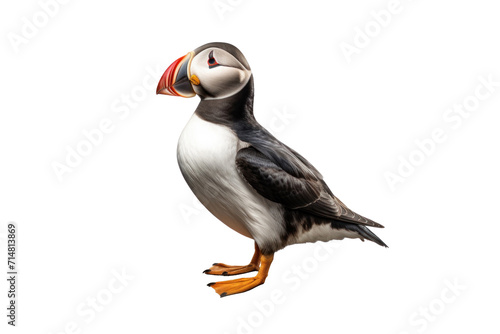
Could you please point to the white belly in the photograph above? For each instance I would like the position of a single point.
(206, 154)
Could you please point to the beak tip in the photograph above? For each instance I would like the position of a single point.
(162, 91)
(172, 82)
(161, 86)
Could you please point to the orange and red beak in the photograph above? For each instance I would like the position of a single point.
(176, 79)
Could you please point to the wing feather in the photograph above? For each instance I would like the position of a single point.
(307, 193)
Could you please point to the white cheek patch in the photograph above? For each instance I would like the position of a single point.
(219, 81)
(223, 81)
(243, 76)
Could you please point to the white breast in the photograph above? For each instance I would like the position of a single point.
(206, 154)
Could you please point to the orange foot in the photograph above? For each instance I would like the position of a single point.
(225, 270)
(235, 286)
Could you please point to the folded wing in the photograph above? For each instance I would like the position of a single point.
(306, 193)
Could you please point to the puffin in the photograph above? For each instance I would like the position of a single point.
(245, 176)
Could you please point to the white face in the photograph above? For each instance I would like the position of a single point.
(220, 74)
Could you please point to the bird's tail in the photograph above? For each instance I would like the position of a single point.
(367, 234)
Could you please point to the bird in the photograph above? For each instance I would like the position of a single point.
(245, 176)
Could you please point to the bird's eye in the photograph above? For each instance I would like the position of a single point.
(211, 60)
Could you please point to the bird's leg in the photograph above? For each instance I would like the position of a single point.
(225, 270)
(244, 284)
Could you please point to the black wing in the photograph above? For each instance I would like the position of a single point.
(307, 192)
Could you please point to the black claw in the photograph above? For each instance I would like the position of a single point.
(224, 294)
(207, 271)
(225, 273)
(211, 283)
(215, 264)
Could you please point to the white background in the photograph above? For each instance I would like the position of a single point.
(126, 206)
